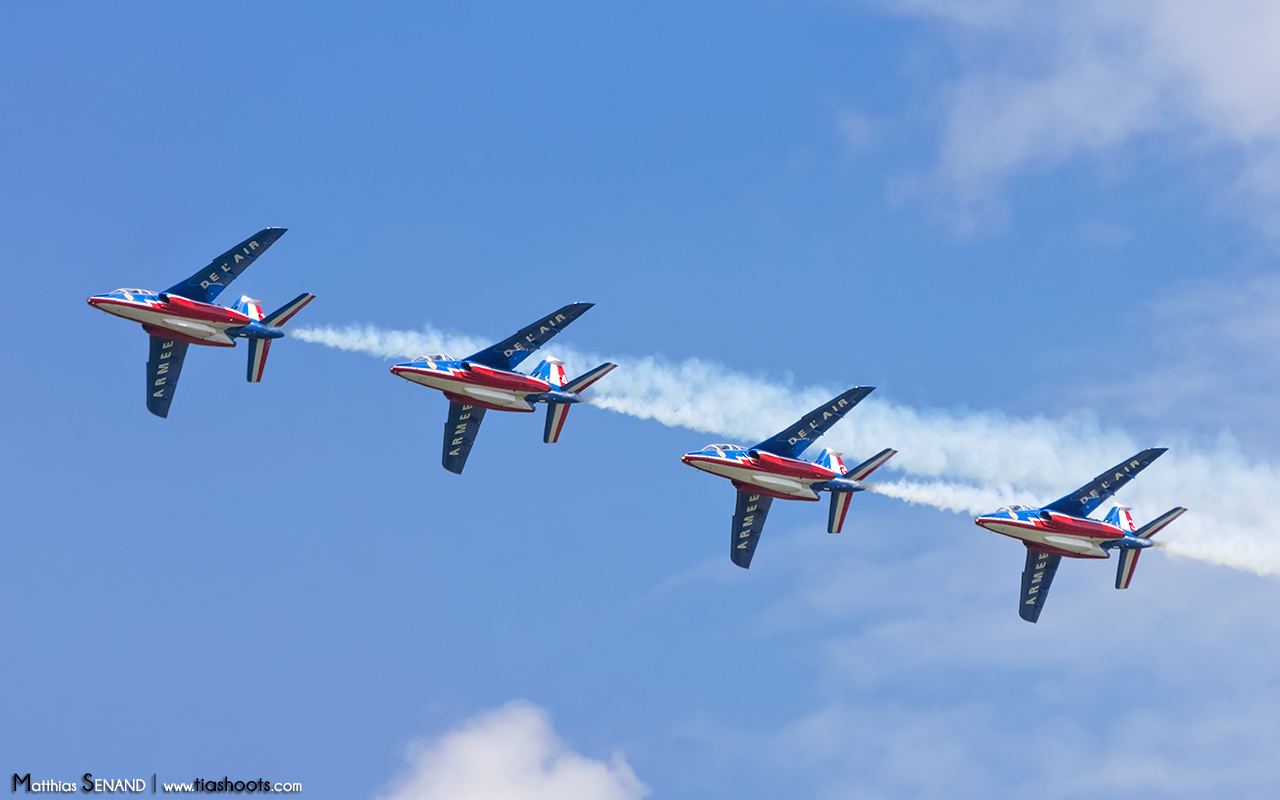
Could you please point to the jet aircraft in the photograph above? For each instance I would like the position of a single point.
(1063, 528)
(488, 381)
(773, 469)
(184, 314)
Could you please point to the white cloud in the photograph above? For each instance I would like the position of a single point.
(1044, 82)
(511, 753)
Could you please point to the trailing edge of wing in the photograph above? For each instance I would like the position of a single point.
(209, 282)
(793, 440)
(508, 353)
(460, 434)
(748, 521)
(1036, 577)
(163, 368)
(1084, 500)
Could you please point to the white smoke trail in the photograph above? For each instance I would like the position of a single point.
(962, 461)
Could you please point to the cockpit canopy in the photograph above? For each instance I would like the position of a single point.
(723, 447)
(435, 357)
(129, 294)
(1014, 507)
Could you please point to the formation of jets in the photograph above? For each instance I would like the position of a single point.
(185, 314)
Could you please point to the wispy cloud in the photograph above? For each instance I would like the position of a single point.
(511, 753)
(1043, 82)
(968, 461)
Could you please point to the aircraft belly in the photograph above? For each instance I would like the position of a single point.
(774, 483)
(495, 396)
(1084, 547)
(211, 331)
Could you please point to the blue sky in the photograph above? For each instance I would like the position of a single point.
(1045, 232)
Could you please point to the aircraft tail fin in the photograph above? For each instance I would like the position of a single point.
(1129, 555)
(258, 348)
(832, 460)
(841, 491)
(557, 413)
(550, 370)
(249, 307)
(1121, 518)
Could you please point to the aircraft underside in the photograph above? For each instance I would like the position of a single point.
(782, 487)
(157, 323)
(474, 393)
(1053, 541)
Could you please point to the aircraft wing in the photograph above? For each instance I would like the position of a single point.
(748, 521)
(163, 368)
(792, 441)
(1084, 500)
(508, 353)
(460, 434)
(209, 282)
(1036, 577)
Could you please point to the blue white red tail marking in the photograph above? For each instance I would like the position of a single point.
(184, 314)
(1063, 529)
(487, 380)
(770, 470)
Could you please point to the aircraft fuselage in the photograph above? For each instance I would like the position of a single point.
(764, 473)
(174, 317)
(1054, 532)
(476, 384)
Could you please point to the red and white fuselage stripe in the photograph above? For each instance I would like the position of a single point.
(1061, 535)
(786, 481)
(188, 320)
(481, 386)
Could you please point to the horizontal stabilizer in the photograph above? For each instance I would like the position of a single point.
(793, 440)
(1158, 524)
(583, 381)
(1036, 577)
(839, 507)
(748, 521)
(508, 353)
(163, 368)
(557, 413)
(871, 464)
(209, 282)
(460, 434)
(258, 349)
(285, 312)
(1084, 500)
(1128, 562)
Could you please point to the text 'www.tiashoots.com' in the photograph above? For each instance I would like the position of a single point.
(88, 783)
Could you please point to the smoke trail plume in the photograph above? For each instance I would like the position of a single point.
(970, 461)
